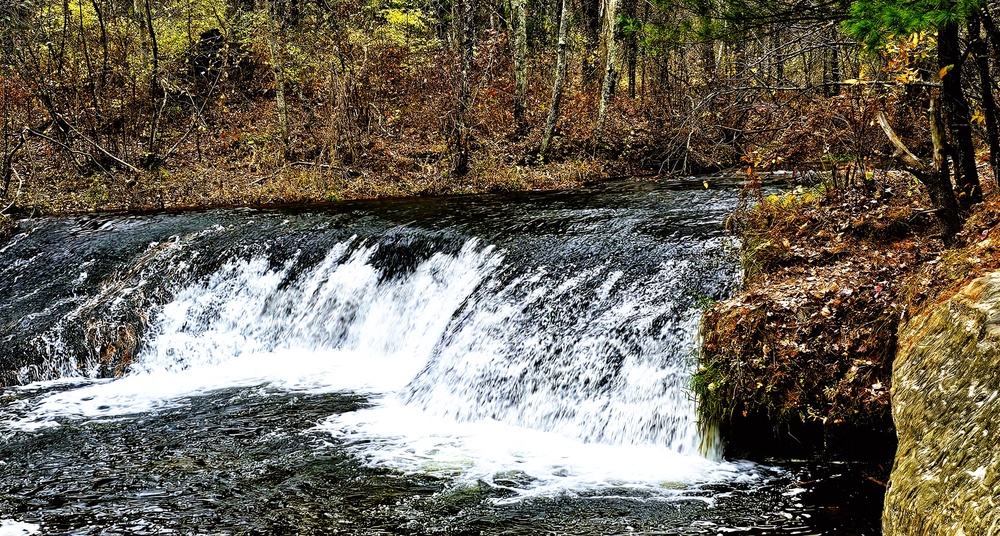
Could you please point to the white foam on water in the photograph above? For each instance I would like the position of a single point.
(288, 369)
(531, 462)
(544, 381)
(337, 328)
(10, 527)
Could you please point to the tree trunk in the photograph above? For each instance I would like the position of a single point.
(557, 85)
(277, 69)
(466, 20)
(591, 15)
(779, 57)
(990, 25)
(956, 109)
(939, 182)
(979, 52)
(154, 80)
(610, 69)
(519, 29)
(831, 69)
(631, 44)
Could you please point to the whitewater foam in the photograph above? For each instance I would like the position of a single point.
(539, 378)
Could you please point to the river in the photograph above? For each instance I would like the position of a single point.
(499, 364)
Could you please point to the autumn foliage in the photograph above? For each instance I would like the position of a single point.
(162, 103)
(813, 338)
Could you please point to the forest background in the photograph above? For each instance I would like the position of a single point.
(147, 104)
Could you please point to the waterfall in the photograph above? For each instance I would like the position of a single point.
(557, 342)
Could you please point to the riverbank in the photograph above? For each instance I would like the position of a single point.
(241, 178)
(799, 364)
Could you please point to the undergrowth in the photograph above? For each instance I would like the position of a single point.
(813, 335)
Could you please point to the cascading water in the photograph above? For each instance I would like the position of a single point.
(540, 344)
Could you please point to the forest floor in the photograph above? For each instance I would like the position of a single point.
(808, 346)
(242, 173)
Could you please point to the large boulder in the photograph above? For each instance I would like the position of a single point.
(946, 406)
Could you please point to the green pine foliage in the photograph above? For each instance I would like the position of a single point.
(872, 22)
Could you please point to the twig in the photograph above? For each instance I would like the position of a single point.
(91, 142)
(199, 115)
(313, 164)
(69, 149)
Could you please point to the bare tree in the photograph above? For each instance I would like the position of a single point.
(956, 108)
(466, 19)
(274, 27)
(558, 83)
(519, 29)
(978, 48)
(934, 174)
(610, 80)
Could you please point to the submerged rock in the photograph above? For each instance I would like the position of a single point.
(945, 404)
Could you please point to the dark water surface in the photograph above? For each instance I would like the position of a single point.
(471, 365)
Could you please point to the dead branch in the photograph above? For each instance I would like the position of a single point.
(902, 151)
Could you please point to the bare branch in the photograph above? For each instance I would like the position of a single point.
(901, 150)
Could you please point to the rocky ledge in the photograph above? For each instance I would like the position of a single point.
(945, 404)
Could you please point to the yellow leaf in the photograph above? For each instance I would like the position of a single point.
(945, 70)
(706, 184)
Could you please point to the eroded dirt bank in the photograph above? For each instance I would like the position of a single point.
(800, 362)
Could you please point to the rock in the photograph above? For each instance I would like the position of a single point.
(7, 227)
(946, 405)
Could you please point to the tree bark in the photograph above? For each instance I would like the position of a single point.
(956, 109)
(610, 79)
(154, 80)
(591, 15)
(939, 183)
(519, 29)
(779, 57)
(979, 52)
(831, 68)
(631, 45)
(277, 70)
(558, 83)
(466, 17)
